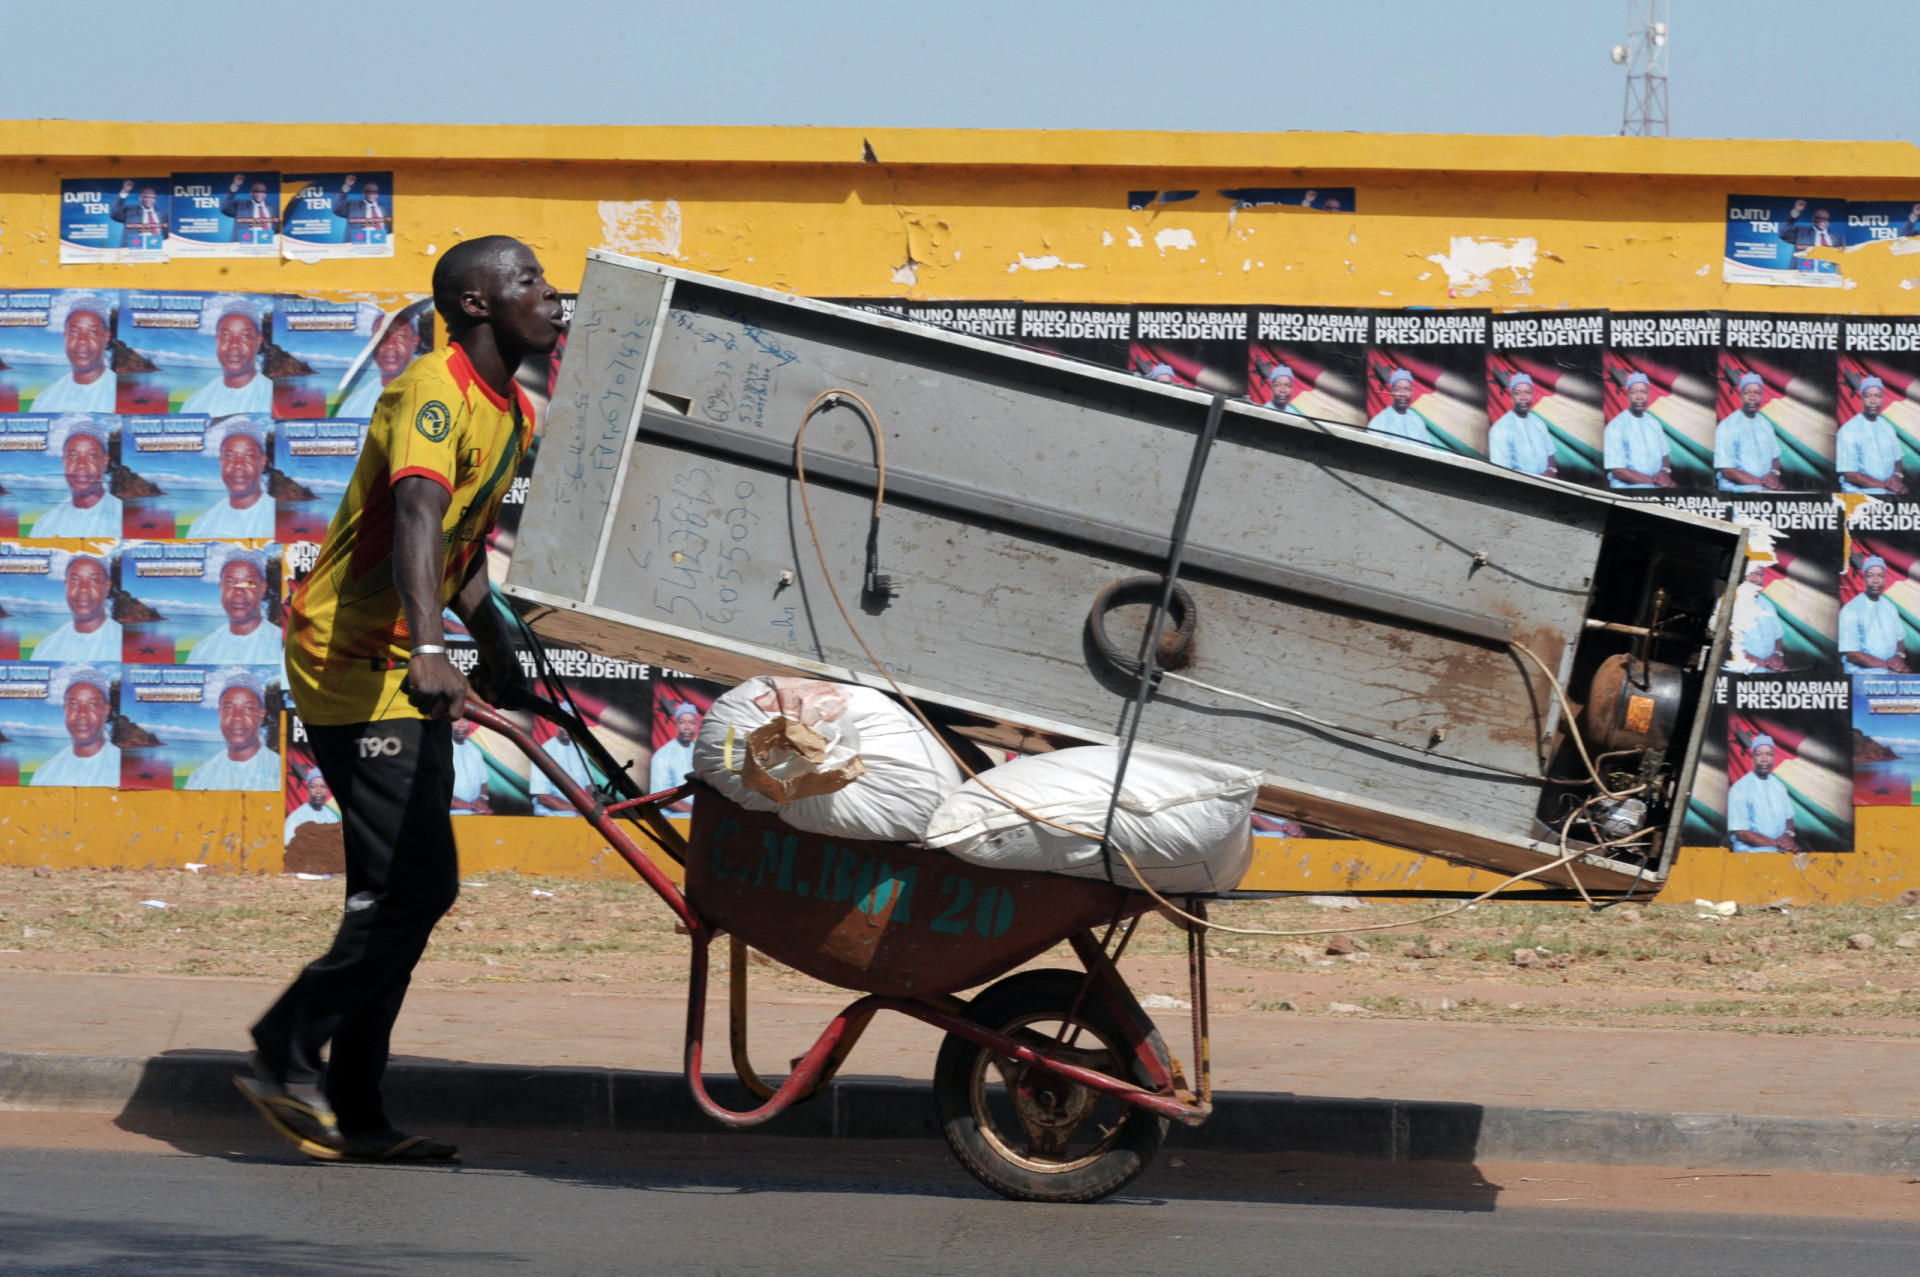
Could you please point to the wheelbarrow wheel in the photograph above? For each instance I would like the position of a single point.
(1026, 1134)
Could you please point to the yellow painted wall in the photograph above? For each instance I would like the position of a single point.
(1615, 222)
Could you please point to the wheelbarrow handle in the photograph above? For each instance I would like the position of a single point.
(589, 807)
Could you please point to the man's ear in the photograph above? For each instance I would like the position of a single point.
(475, 305)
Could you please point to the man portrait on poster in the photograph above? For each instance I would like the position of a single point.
(1281, 384)
(89, 510)
(1398, 419)
(1866, 450)
(1634, 444)
(246, 512)
(393, 350)
(255, 219)
(1519, 440)
(89, 758)
(88, 385)
(238, 334)
(1873, 635)
(1746, 453)
(369, 221)
(142, 216)
(547, 798)
(247, 637)
(89, 633)
(314, 811)
(673, 762)
(1815, 233)
(245, 763)
(1759, 808)
(1760, 640)
(469, 773)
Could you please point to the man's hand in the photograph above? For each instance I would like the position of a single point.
(500, 677)
(435, 687)
(239, 180)
(1799, 207)
(346, 187)
(126, 188)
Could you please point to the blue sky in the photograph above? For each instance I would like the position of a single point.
(1758, 68)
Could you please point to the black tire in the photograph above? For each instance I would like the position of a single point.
(982, 1120)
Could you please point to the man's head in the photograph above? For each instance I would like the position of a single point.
(1762, 748)
(243, 456)
(370, 190)
(1820, 218)
(1873, 396)
(462, 730)
(1639, 392)
(1400, 386)
(497, 281)
(1280, 382)
(243, 584)
(242, 711)
(85, 704)
(317, 791)
(258, 191)
(1520, 386)
(396, 349)
(1873, 575)
(1332, 205)
(563, 736)
(83, 458)
(87, 588)
(1752, 389)
(686, 723)
(1162, 373)
(87, 336)
(147, 196)
(236, 343)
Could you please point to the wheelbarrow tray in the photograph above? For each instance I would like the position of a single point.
(881, 917)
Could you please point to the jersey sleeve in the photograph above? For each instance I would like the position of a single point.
(422, 427)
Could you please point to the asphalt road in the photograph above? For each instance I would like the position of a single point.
(728, 1208)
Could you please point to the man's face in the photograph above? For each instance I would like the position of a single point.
(240, 717)
(86, 589)
(462, 729)
(317, 791)
(395, 351)
(1750, 398)
(371, 191)
(241, 462)
(1872, 400)
(1283, 391)
(86, 708)
(1523, 398)
(524, 307)
(86, 341)
(147, 197)
(685, 728)
(236, 344)
(1402, 394)
(1763, 759)
(260, 192)
(1637, 396)
(1820, 218)
(1876, 581)
(83, 460)
(1331, 206)
(241, 587)
(1757, 575)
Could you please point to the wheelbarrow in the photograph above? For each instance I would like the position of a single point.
(1051, 1085)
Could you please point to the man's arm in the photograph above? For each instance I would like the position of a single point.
(436, 688)
(474, 605)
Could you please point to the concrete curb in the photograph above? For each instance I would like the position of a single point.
(439, 1094)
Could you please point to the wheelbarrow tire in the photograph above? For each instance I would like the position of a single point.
(1017, 1000)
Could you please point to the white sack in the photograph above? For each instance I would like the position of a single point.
(1186, 823)
(907, 770)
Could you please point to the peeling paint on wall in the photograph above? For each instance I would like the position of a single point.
(1470, 261)
(1173, 237)
(640, 226)
(1051, 261)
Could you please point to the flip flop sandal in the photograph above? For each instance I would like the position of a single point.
(308, 1129)
(397, 1146)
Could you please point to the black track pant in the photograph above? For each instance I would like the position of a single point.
(394, 780)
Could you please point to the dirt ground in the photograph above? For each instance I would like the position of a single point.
(1784, 969)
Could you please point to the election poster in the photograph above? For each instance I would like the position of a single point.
(57, 350)
(1789, 764)
(1659, 400)
(336, 215)
(200, 603)
(1886, 740)
(335, 359)
(225, 215)
(680, 705)
(614, 698)
(1776, 404)
(1877, 447)
(1427, 379)
(1879, 590)
(56, 724)
(311, 835)
(1881, 222)
(1201, 347)
(999, 320)
(54, 472)
(114, 219)
(1097, 335)
(313, 464)
(1786, 610)
(55, 604)
(1785, 239)
(1311, 362)
(1705, 824)
(199, 727)
(1322, 199)
(194, 477)
(195, 353)
(1544, 374)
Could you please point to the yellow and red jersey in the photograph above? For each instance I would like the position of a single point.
(347, 638)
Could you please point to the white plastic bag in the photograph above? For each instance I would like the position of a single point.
(1186, 823)
(851, 762)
